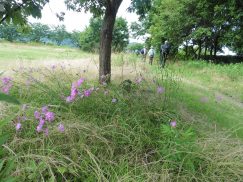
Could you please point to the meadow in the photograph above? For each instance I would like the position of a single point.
(182, 123)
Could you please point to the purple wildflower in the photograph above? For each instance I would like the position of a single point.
(44, 109)
(18, 126)
(160, 90)
(5, 90)
(87, 93)
(61, 128)
(70, 99)
(50, 116)
(173, 124)
(42, 122)
(37, 115)
(39, 128)
(74, 92)
(80, 82)
(6, 80)
(114, 100)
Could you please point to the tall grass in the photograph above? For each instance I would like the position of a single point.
(127, 139)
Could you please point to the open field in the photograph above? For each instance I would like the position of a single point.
(173, 124)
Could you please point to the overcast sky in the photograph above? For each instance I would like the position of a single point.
(74, 20)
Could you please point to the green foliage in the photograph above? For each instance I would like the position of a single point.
(120, 35)
(141, 7)
(9, 32)
(138, 29)
(39, 31)
(90, 37)
(6, 164)
(179, 145)
(7, 98)
(75, 36)
(59, 34)
(17, 11)
(204, 23)
(130, 139)
(134, 46)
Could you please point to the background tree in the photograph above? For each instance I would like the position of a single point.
(107, 8)
(89, 38)
(39, 31)
(208, 24)
(17, 11)
(120, 35)
(9, 32)
(59, 34)
(74, 36)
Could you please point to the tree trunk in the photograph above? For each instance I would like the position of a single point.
(186, 49)
(211, 50)
(199, 49)
(106, 40)
(206, 47)
(215, 47)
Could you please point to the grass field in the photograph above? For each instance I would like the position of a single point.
(182, 123)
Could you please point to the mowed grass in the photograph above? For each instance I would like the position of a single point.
(213, 92)
(11, 54)
(122, 131)
(226, 79)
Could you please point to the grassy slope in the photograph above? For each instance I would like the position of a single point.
(10, 53)
(221, 88)
(129, 140)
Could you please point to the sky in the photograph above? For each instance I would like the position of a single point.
(76, 20)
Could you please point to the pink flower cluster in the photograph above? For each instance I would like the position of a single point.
(43, 116)
(173, 124)
(74, 90)
(6, 85)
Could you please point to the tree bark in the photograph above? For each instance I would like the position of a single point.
(206, 47)
(215, 47)
(106, 40)
(199, 49)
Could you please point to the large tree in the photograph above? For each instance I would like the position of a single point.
(109, 9)
(18, 11)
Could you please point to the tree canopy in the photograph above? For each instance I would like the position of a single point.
(17, 11)
(208, 24)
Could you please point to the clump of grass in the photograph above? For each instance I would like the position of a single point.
(115, 134)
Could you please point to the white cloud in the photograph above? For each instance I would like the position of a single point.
(76, 20)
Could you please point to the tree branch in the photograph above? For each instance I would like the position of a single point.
(19, 6)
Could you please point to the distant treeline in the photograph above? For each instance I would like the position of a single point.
(87, 40)
(38, 32)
